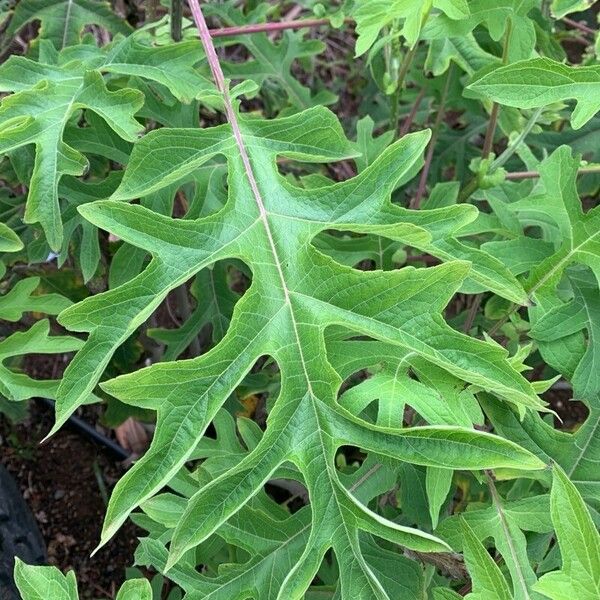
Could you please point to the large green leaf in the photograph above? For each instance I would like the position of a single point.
(542, 81)
(296, 293)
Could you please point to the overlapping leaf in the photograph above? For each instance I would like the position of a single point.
(569, 244)
(16, 386)
(503, 17)
(62, 21)
(49, 95)
(20, 299)
(372, 16)
(271, 61)
(505, 522)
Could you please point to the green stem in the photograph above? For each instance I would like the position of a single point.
(471, 187)
(176, 19)
(512, 148)
(395, 98)
(185, 310)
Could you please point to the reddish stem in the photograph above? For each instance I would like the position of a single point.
(578, 25)
(265, 27)
(412, 114)
(534, 174)
(416, 201)
(489, 134)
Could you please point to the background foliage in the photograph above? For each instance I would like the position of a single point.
(379, 229)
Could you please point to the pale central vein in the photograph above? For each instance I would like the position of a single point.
(215, 66)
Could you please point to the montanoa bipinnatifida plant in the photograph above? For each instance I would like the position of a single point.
(378, 223)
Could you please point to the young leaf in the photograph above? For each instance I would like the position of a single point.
(135, 589)
(505, 522)
(438, 482)
(579, 543)
(542, 81)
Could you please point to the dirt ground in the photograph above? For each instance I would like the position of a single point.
(65, 482)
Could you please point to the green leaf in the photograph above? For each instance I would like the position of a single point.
(17, 386)
(45, 100)
(574, 452)
(561, 8)
(438, 483)
(496, 17)
(21, 299)
(41, 583)
(45, 583)
(542, 81)
(214, 305)
(272, 63)
(582, 312)
(488, 581)
(135, 589)
(64, 20)
(579, 542)
(372, 16)
(464, 51)
(47, 97)
(505, 522)
(296, 293)
(9, 240)
(555, 205)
